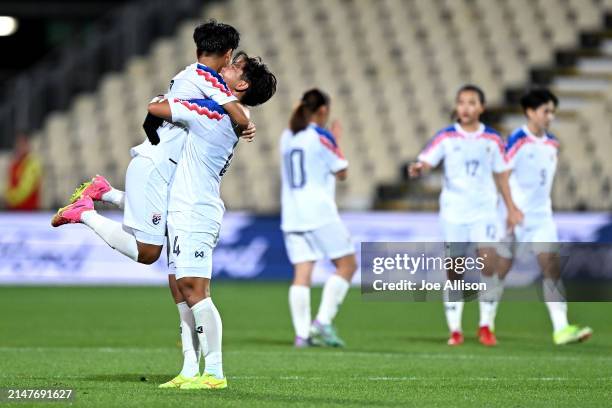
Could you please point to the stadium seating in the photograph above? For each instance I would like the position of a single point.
(392, 68)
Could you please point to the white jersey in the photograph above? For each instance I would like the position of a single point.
(533, 161)
(206, 155)
(195, 81)
(309, 160)
(469, 193)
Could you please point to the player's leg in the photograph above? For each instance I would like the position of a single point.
(335, 242)
(209, 328)
(299, 302)
(189, 339)
(142, 235)
(191, 253)
(485, 233)
(455, 236)
(505, 260)
(554, 297)
(302, 254)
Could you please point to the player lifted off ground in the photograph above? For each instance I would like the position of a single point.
(153, 165)
(531, 151)
(311, 163)
(474, 164)
(195, 208)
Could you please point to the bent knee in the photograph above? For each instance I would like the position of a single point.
(148, 253)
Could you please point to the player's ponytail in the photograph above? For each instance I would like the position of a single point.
(311, 101)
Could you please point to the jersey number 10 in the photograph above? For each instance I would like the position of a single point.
(294, 168)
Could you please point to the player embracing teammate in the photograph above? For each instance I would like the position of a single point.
(173, 182)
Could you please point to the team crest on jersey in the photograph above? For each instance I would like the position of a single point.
(156, 218)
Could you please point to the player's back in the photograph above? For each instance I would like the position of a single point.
(310, 159)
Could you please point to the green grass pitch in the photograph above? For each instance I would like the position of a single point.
(114, 345)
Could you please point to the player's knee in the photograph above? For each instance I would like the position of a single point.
(148, 254)
(348, 265)
(147, 259)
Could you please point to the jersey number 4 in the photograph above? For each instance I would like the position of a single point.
(294, 167)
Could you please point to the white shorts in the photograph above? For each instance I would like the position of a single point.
(485, 230)
(146, 201)
(457, 235)
(331, 241)
(190, 252)
(537, 234)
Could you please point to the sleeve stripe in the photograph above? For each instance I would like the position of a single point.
(552, 142)
(500, 144)
(335, 149)
(214, 82)
(436, 140)
(200, 110)
(516, 147)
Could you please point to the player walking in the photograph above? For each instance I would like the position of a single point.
(311, 162)
(532, 156)
(474, 164)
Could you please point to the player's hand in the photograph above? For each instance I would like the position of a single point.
(249, 133)
(515, 217)
(336, 130)
(415, 169)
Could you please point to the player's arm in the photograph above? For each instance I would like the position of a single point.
(337, 130)
(160, 109)
(502, 167)
(429, 158)
(247, 133)
(418, 168)
(151, 124)
(238, 114)
(515, 215)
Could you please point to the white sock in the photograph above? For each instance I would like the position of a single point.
(489, 299)
(210, 332)
(114, 196)
(334, 292)
(554, 296)
(299, 305)
(189, 340)
(499, 293)
(112, 233)
(453, 310)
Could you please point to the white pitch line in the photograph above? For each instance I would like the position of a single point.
(360, 379)
(303, 353)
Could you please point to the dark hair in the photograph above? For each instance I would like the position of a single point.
(215, 38)
(538, 97)
(262, 82)
(311, 101)
(473, 88)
